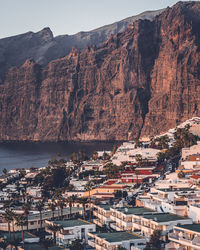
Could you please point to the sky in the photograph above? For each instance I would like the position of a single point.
(69, 16)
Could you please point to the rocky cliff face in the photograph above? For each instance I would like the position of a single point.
(139, 82)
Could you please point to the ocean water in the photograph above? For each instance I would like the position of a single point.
(27, 154)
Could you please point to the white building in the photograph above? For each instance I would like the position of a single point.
(102, 214)
(193, 150)
(130, 155)
(148, 223)
(186, 236)
(114, 240)
(72, 230)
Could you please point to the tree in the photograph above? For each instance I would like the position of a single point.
(138, 159)
(76, 245)
(88, 187)
(181, 175)
(95, 155)
(26, 208)
(40, 206)
(138, 144)
(4, 171)
(21, 222)
(4, 244)
(155, 241)
(105, 156)
(61, 204)
(54, 228)
(8, 216)
(83, 201)
(114, 150)
(69, 200)
(52, 206)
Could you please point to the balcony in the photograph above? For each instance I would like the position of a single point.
(65, 236)
(173, 236)
(98, 222)
(91, 243)
(185, 241)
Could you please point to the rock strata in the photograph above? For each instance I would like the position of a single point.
(139, 82)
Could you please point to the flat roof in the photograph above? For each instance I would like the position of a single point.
(117, 236)
(47, 214)
(175, 189)
(35, 246)
(71, 223)
(135, 210)
(164, 217)
(106, 207)
(193, 227)
(18, 235)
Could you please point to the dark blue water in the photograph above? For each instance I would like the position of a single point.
(25, 155)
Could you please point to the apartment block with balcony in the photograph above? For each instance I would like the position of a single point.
(102, 214)
(147, 223)
(186, 236)
(121, 218)
(72, 230)
(112, 241)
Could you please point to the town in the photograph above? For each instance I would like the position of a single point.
(144, 194)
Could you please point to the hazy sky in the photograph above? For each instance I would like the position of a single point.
(68, 16)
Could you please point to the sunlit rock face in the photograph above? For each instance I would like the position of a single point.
(139, 82)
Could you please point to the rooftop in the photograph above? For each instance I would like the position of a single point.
(117, 236)
(106, 207)
(34, 246)
(18, 235)
(135, 210)
(174, 189)
(48, 214)
(71, 223)
(163, 217)
(192, 227)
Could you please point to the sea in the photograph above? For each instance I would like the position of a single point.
(36, 154)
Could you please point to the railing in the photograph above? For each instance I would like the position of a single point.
(173, 236)
(91, 243)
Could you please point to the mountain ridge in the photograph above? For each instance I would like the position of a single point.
(43, 47)
(139, 82)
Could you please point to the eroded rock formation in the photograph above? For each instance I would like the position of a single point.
(139, 82)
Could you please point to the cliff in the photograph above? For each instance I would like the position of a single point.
(139, 82)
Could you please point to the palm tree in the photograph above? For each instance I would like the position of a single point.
(52, 206)
(74, 198)
(88, 187)
(4, 171)
(13, 226)
(8, 217)
(138, 159)
(69, 200)
(26, 208)
(4, 244)
(40, 206)
(20, 222)
(54, 228)
(83, 201)
(61, 204)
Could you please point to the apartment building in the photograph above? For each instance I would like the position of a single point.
(72, 230)
(102, 214)
(121, 218)
(147, 223)
(34, 218)
(186, 236)
(112, 241)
